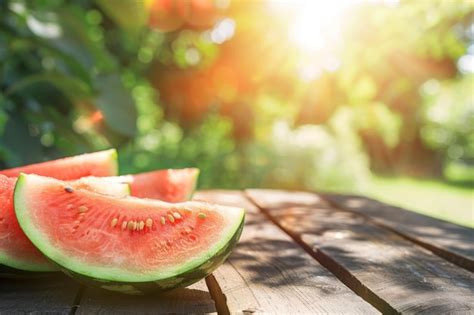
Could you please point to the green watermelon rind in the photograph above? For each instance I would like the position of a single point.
(22, 266)
(190, 272)
(110, 157)
(7, 272)
(117, 189)
(10, 262)
(181, 280)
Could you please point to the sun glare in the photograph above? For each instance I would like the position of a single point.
(317, 23)
(315, 30)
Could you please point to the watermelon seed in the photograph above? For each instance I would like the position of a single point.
(82, 209)
(188, 229)
(68, 189)
(171, 218)
(142, 225)
(163, 220)
(202, 215)
(177, 215)
(149, 223)
(124, 225)
(114, 222)
(131, 225)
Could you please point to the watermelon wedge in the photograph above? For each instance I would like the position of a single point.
(171, 185)
(102, 163)
(16, 250)
(130, 245)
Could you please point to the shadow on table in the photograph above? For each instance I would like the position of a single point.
(362, 248)
(441, 233)
(267, 257)
(178, 301)
(46, 293)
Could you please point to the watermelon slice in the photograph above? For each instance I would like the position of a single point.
(128, 244)
(171, 185)
(16, 250)
(103, 163)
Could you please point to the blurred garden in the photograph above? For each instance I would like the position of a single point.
(373, 97)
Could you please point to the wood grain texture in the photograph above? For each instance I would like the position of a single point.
(53, 295)
(391, 272)
(269, 273)
(450, 241)
(194, 299)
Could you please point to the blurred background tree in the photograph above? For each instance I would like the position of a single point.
(344, 95)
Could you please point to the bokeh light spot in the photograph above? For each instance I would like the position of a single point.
(466, 64)
(223, 31)
(192, 56)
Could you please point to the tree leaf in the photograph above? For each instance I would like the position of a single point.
(116, 104)
(17, 141)
(71, 87)
(3, 118)
(130, 15)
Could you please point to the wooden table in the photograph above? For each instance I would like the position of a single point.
(300, 252)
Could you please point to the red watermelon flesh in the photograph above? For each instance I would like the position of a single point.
(16, 250)
(171, 185)
(125, 240)
(103, 163)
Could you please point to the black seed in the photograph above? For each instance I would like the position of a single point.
(68, 189)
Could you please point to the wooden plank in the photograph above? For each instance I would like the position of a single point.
(194, 299)
(53, 294)
(450, 241)
(269, 273)
(389, 271)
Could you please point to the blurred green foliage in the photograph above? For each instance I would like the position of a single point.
(234, 98)
(449, 125)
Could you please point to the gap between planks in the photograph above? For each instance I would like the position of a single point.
(77, 300)
(217, 295)
(320, 240)
(460, 259)
(215, 292)
(214, 289)
(269, 273)
(332, 266)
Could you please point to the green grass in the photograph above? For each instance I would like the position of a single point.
(433, 198)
